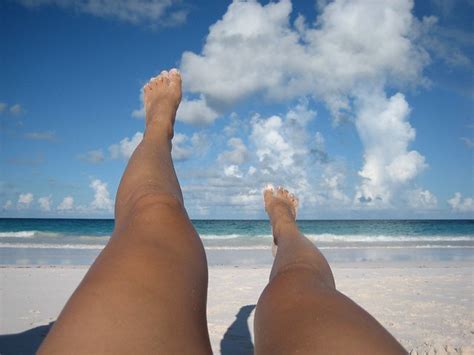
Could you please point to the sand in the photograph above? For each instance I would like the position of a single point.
(428, 307)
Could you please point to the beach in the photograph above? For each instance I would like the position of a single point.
(415, 277)
(428, 307)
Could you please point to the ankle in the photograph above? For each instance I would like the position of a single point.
(159, 128)
(284, 227)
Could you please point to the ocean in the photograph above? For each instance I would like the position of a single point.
(78, 241)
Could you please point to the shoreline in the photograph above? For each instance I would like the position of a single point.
(249, 257)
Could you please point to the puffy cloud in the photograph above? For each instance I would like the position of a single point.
(8, 205)
(133, 11)
(460, 204)
(422, 199)
(93, 156)
(24, 200)
(67, 204)
(238, 153)
(333, 187)
(184, 147)
(338, 59)
(232, 171)
(140, 113)
(45, 203)
(243, 53)
(125, 148)
(179, 151)
(385, 132)
(278, 150)
(102, 200)
(196, 112)
(41, 136)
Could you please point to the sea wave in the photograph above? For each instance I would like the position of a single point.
(19, 234)
(253, 247)
(51, 246)
(328, 238)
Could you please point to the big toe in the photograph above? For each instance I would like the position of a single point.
(174, 76)
(268, 194)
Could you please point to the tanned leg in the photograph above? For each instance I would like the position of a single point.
(146, 292)
(300, 311)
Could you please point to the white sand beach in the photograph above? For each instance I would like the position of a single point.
(428, 307)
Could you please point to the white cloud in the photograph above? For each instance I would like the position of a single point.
(179, 151)
(243, 53)
(196, 112)
(133, 11)
(422, 199)
(460, 204)
(8, 205)
(185, 147)
(125, 148)
(3, 107)
(339, 59)
(333, 186)
(278, 150)
(140, 113)
(45, 203)
(102, 200)
(232, 171)
(445, 43)
(24, 200)
(67, 204)
(41, 136)
(238, 153)
(385, 132)
(93, 156)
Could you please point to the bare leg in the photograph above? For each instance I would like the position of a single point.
(146, 292)
(300, 311)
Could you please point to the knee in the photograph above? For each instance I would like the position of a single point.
(153, 207)
(296, 285)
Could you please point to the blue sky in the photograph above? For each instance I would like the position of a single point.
(364, 109)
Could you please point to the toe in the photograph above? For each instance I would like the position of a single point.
(175, 76)
(280, 191)
(174, 72)
(268, 193)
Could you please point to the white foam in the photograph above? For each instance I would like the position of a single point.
(20, 234)
(51, 246)
(253, 247)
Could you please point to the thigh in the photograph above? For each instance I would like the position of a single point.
(296, 316)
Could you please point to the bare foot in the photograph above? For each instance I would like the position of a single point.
(281, 207)
(162, 96)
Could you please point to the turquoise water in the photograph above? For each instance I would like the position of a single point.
(241, 242)
(245, 234)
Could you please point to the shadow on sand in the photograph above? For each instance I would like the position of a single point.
(237, 339)
(26, 343)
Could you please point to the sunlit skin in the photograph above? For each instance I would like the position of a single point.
(146, 292)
